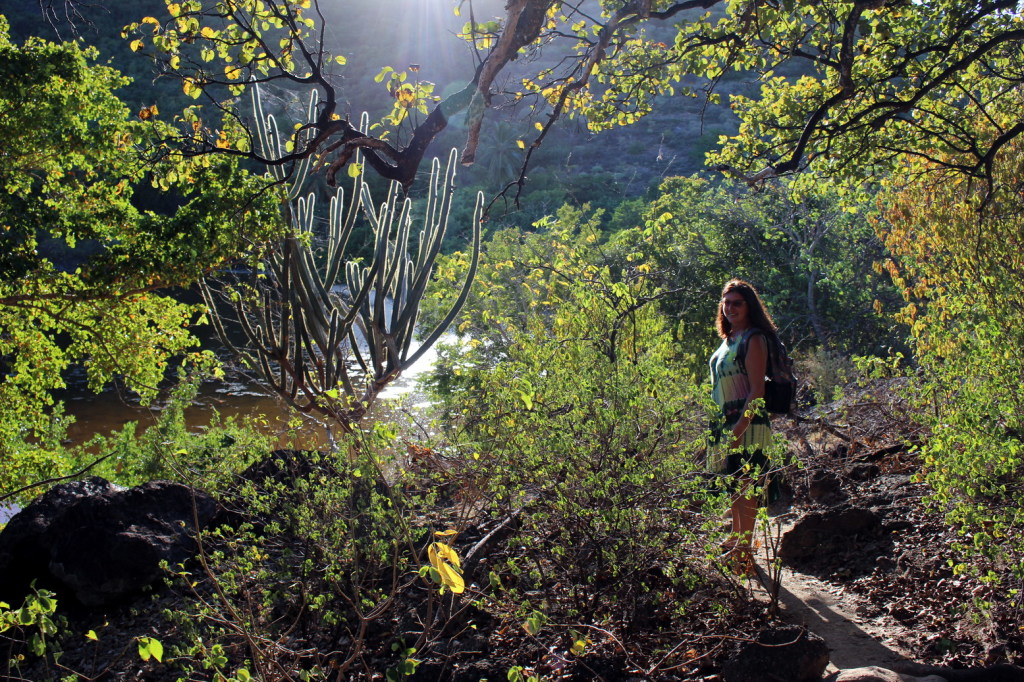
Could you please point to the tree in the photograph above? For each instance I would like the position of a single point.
(881, 80)
(958, 259)
(810, 258)
(80, 263)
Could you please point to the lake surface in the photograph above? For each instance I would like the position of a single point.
(235, 397)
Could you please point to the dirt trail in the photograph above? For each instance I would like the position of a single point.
(830, 612)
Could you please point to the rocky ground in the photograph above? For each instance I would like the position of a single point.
(869, 566)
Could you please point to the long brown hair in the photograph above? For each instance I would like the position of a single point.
(756, 312)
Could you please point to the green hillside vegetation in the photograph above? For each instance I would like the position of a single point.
(553, 497)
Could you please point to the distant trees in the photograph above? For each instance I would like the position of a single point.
(810, 258)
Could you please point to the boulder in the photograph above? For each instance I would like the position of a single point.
(787, 653)
(99, 543)
(875, 674)
(804, 540)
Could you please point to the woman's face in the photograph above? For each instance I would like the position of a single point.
(735, 309)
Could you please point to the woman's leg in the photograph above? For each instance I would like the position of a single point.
(744, 519)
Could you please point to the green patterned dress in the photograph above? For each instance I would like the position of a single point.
(730, 387)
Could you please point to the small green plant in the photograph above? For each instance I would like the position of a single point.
(407, 664)
(29, 628)
(518, 673)
(150, 647)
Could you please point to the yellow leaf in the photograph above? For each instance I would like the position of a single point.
(233, 72)
(191, 88)
(340, 60)
(452, 579)
(445, 561)
(91, 635)
(442, 552)
(538, 125)
(520, 144)
(208, 32)
(136, 45)
(445, 533)
(354, 169)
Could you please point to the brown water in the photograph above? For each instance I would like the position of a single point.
(237, 397)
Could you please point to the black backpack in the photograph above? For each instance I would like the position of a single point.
(779, 379)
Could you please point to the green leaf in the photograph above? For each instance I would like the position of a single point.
(150, 648)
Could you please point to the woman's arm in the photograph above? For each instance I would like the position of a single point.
(756, 362)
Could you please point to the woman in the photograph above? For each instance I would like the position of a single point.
(737, 380)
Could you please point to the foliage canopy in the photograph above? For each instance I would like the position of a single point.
(81, 261)
(877, 81)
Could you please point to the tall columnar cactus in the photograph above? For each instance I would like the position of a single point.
(329, 349)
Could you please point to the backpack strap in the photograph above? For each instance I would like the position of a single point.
(744, 340)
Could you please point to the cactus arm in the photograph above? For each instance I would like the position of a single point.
(434, 335)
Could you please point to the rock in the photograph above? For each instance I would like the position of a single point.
(823, 486)
(23, 547)
(787, 653)
(875, 674)
(804, 540)
(868, 674)
(863, 472)
(97, 542)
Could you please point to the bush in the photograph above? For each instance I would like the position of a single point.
(572, 417)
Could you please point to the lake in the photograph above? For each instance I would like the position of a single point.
(234, 397)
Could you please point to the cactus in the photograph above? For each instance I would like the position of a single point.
(329, 350)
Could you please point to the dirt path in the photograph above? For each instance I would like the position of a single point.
(830, 612)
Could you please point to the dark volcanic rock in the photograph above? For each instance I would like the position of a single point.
(97, 542)
(787, 653)
(806, 537)
(823, 487)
